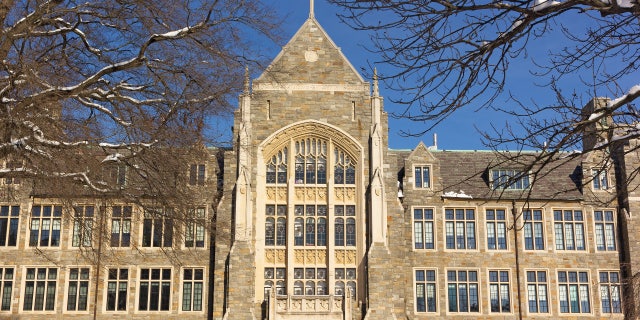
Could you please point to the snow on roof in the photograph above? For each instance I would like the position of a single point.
(453, 194)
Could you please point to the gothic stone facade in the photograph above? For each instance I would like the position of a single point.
(318, 219)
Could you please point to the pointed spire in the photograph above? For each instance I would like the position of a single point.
(376, 91)
(246, 79)
(311, 9)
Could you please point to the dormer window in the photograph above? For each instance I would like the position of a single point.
(600, 180)
(13, 166)
(509, 179)
(422, 176)
(197, 174)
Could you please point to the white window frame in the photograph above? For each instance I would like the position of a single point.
(465, 222)
(573, 223)
(537, 283)
(424, 222)
(139, 290)
(195, 222)
(203, 294)
(604, 223)
(508, 179)
(83, 225)
(17, 165)
(496, 228)
(478, 283)
(426, 282)
(535, 225)
(197, 174)
(13, 287)
(608, 285)
(600, 179)
(118, 281)
(52, 219)
(589, 285)
(500, 283)
(24, 287)
(68, 287)
(10, 217)
(429, 183)
(121, 219)
(148, 214)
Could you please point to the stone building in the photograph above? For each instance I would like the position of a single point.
(312, 216)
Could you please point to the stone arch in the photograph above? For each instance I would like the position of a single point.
(310, 128)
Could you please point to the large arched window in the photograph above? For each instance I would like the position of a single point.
(311, 194)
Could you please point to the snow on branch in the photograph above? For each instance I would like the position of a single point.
(633, 93)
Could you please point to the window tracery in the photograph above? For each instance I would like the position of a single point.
(317, 165)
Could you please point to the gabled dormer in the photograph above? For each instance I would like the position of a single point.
(421, 168)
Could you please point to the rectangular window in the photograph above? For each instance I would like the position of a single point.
(157, 228)
(423, 176)
(311, 281)
(610, 292)
(82, 226)
(426, 291)
(117, 286)
(345, 228)
(537, 295)
(423, 228)
(605, 230)
(121, 226)
(462, 291)
(509, 179)
(6, 288)
(276, 225)
(197, 174)
(45, 226)
(599, 178)
(116, 175)
(533, 230)
(78, 289)
(14, 166)
(9, 218)
(573, 292)
(345, 280)
(499, 291)
(155, 289)
(194, 234)
(279, 275)
(192, 286)
(40, 289)
(569, 230)
(496, 229)
(460, 228)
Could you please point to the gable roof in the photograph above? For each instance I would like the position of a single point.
(310, 57)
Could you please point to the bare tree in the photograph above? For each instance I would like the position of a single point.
(446, 55)
(80, 81)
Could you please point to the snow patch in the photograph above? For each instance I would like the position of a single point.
(594, 116)
(543, 4)
(633, 91)
(625, 3)
(459, 194)
(113, 157)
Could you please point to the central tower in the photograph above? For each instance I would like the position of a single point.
(308, 201)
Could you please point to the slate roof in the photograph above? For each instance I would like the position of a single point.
(469, 171)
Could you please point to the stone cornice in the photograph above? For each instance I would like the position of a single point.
(318, 87)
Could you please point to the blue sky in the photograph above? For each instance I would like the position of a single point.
(460, 130)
